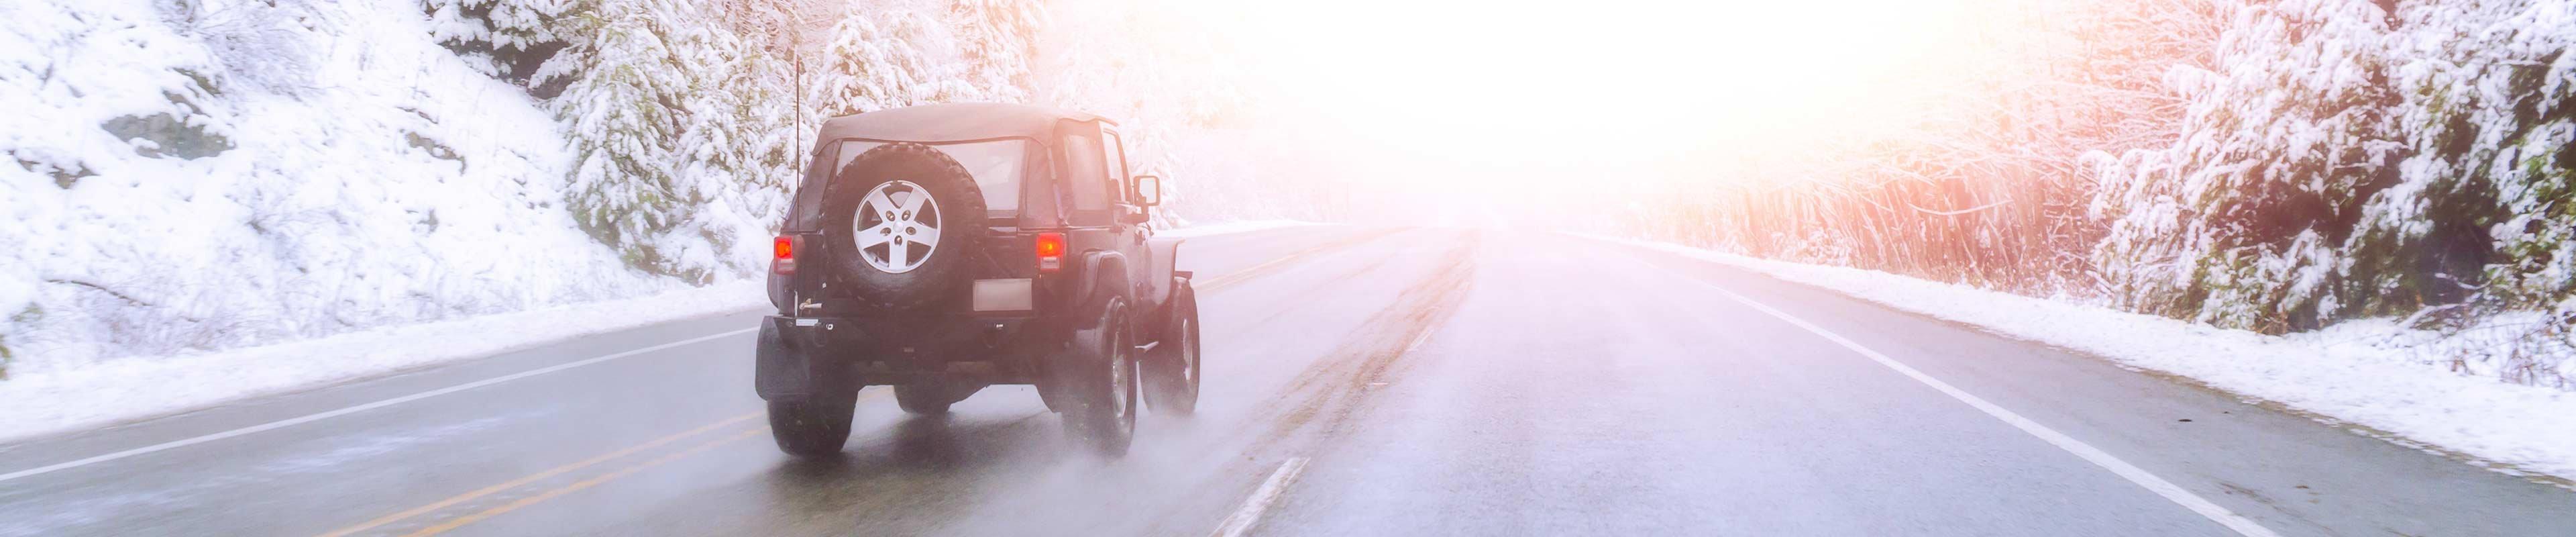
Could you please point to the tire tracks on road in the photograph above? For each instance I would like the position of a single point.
(1340, 379)
(1320, 401)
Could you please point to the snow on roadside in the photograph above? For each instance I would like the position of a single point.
(114, 391)
(1238, 226)
(2373, 372)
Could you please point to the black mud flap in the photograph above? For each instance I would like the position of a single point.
(784, 368)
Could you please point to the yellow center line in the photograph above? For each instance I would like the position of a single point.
(548, 473)
(1231, 278)
(459, 522)
(531, 478)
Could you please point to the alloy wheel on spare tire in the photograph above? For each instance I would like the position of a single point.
(899, 223)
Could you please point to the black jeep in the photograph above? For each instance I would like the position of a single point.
(940, 249)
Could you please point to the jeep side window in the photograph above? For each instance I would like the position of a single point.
(1115, 157)
(1085, 172)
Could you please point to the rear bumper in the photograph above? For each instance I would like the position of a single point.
(808, 356)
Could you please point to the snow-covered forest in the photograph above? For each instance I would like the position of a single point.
(194, 175)
(2275, 166)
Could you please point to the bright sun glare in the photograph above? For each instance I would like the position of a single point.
(1642, 86)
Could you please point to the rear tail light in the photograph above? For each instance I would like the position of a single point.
(1050, 250)
(782, 258)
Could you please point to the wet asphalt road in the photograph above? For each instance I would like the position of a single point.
(1419, 381)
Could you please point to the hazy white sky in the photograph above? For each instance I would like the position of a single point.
(1522, 85)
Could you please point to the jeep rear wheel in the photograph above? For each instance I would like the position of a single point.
(899, 223)
(812, 427)
(1100, 372)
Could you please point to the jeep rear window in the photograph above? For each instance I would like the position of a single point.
(997, 166)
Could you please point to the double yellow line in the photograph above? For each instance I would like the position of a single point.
(612, 475)
(1231, 278)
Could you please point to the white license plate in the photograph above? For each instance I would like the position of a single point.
(1005, 296)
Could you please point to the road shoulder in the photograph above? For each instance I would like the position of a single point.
(2288, 470)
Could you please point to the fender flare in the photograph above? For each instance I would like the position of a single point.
(1166, 255)
(1094, 263)
(1162, 322)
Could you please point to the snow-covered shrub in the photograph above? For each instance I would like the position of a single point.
(2344, 161)
(2238, 223)
(2488, 195)
(262, 44)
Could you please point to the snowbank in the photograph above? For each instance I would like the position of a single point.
(2369, 372)
(130, 389)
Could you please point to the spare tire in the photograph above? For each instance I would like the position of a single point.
(899, 224)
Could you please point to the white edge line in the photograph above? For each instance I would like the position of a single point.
(309, 418)
(2158, 485)
(1244, 518)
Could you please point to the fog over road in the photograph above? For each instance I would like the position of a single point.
(1359, 381)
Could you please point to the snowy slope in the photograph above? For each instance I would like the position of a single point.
(371, 179)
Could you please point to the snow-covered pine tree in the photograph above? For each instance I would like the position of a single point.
(505, 38)
(996, 37)
(733, 155)
(934, 53)
(762, 155)
(891, 55)
(859, 71)
(1154, 71)
(621, 124)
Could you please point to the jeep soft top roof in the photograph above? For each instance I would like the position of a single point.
(951, 122)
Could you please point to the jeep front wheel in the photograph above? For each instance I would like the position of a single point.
(1172, 368)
